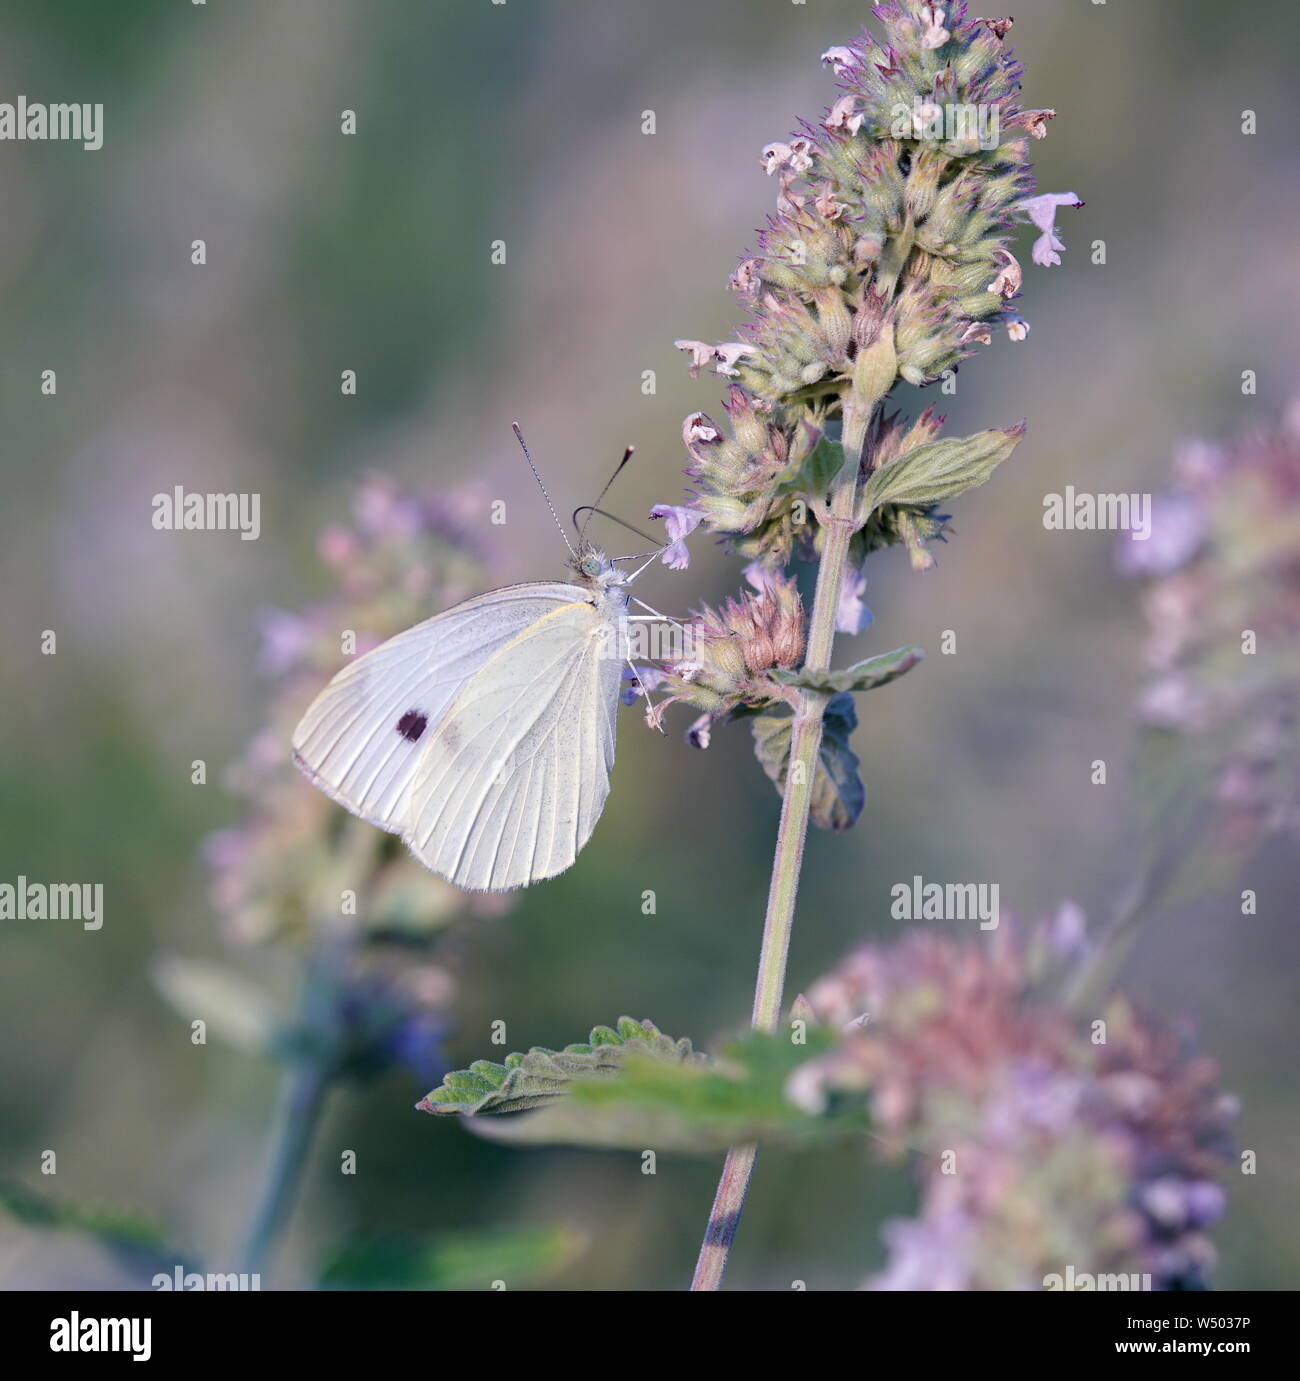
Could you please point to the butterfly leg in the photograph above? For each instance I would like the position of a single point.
(651, 709)
(667, 618)
(685, 653)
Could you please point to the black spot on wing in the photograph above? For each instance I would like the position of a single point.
(412, 724)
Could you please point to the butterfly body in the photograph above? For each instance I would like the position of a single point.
(484, 736)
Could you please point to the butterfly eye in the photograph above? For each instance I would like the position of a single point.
(590, 566)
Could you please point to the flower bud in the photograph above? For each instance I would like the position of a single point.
(876, 367)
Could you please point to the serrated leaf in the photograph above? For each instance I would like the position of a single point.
(703, 1107)
(862, 676)
(527, 1079)
(939, 470)
(837, 791)
(456, 1261)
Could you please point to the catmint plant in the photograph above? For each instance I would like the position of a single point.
(887, 259)
(1218, 766)
(1045, 1161)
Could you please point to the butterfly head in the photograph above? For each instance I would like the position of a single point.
(594, 569)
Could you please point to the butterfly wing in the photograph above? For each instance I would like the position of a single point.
(362, 738)
(513, 780)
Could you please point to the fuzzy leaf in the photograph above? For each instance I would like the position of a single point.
(837, 791)
(818, 470)
(540, 1075)
(457, 1261)
(866, 675)
(699, 1107)
(939, 470)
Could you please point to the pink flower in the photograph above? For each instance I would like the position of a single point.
(701, 353)
(726, 355)
(746, 278)
(1042, 212)
(845, 114)
(699, 427)
(722, 357)
(933, 34)
(679, 522)
(841, 60)
(794, 157)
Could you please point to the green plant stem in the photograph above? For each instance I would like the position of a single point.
(301, 1097)
(307, 1079)
(805, 743)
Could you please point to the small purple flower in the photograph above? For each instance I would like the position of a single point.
(1178, 527)
(933, 33)
(1175, 702)
(680, 522)
(841, 60)
(760, 576)
(726, 356)
(416, 1044)
(285, 640)
(384, 511)
(1042, 212)
(1205, 1202)
(846, 114)
(638, 680)
(794, 157)
(700, 731)
(1068, 930)
(852, 615)
(926, 1253)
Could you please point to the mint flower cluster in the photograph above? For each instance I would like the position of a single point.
(363, 917)
(1040, 1143)
(1222, 603)
(887, 259)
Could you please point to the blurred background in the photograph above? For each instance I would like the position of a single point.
(522, 123)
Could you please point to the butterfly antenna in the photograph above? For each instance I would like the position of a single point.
(524, 445)
(591, 508)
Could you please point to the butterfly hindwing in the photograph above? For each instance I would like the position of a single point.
(513, 780)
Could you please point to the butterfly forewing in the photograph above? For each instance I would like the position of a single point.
(513, 780)
(362, 739)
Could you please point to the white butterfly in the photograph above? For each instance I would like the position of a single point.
(483, 736)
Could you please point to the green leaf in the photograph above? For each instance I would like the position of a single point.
(456, 1261)
(837, 791)
(939, 470)
(123, 1231)
(691, 1108)
(540, 1075)
(817, 472)
(867, 675)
